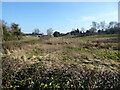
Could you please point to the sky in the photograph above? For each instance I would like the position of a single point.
(61, 16)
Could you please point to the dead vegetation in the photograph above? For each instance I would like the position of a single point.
(84, 62)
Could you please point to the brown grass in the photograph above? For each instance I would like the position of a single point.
(64, 53)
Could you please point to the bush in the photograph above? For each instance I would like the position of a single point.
(56, 34)
(11, 33)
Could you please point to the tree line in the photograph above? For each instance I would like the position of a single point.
(13, 32)
(96, 28)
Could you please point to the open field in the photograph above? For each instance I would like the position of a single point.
(90, 62)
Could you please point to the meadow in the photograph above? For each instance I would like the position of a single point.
(89, 63)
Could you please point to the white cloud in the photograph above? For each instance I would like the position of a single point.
(113, 13)
(88, 18)
(110, 16)
(99, 16)
(73, 20)
(84, 18)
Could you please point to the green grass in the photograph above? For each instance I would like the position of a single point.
(66, 58)
(108, 54)
(100, 37)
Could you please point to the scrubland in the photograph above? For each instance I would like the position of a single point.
(91, 62)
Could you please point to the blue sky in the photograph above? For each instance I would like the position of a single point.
(61, 16)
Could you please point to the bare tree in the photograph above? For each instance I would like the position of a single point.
(49, 32)
(103, 25)
(112, 24)
(82, 29)
(118, 25)
(36, 31)
(95, 26)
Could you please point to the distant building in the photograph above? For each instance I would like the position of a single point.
(34, 35)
